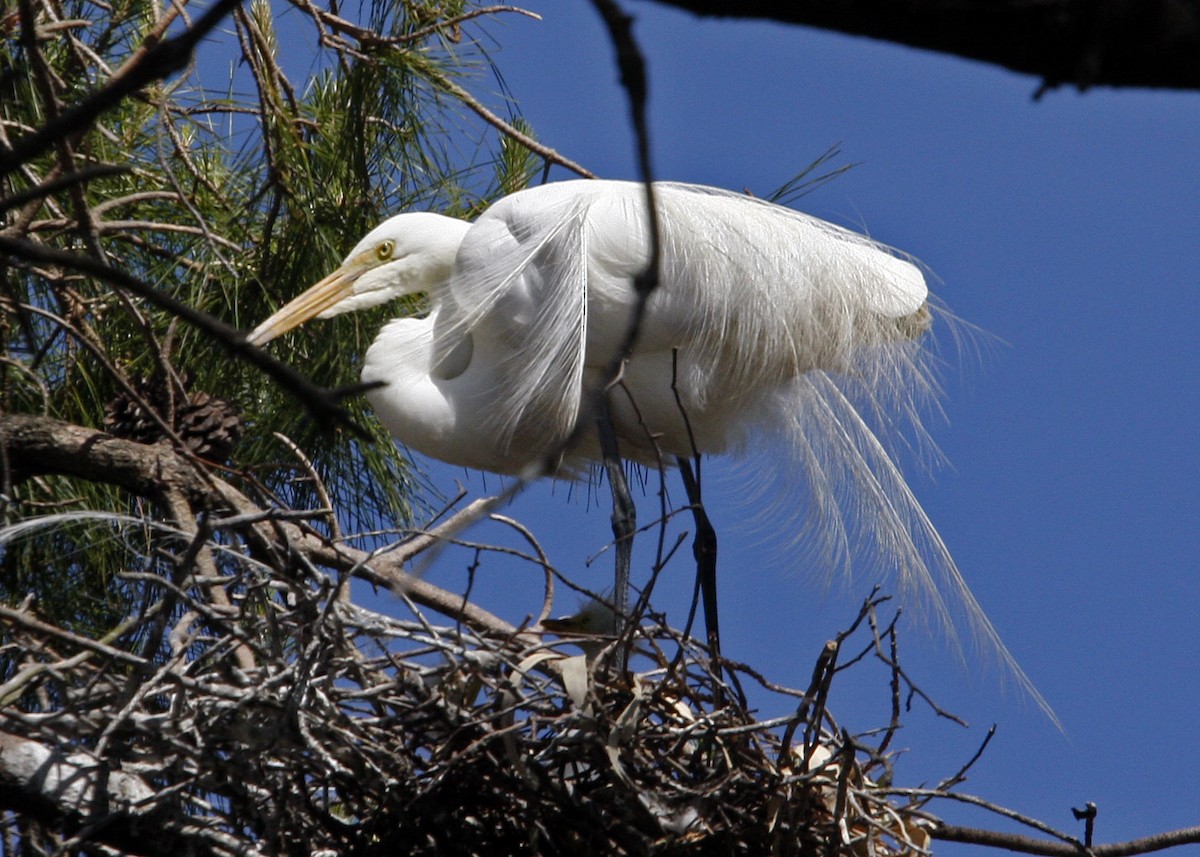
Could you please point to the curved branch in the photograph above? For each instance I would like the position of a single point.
(1145, 43)
(541, 150)
(38, 446)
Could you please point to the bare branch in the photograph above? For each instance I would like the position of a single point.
(76, 791)
(1030, 845)
(36, 446)
(545, 152)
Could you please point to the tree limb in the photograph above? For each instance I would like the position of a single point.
(1119, 43)
(74, 790)
(39, 446)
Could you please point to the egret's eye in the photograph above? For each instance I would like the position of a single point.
(384, 250)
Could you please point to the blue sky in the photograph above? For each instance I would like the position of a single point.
(1067, 229)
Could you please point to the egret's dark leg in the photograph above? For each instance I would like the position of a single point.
(624, 515)
(704, 548)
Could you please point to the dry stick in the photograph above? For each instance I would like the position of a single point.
(961, 774)
(18, 684)
(547, 568)
(545, 152)
(200, 555)
(811, 710)
(894, 685)
(997, 809)
(335, 530)
(12, 616)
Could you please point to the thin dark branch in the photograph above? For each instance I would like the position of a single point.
(59, 183)
(159, 60)
(633, 78)
(322, 402)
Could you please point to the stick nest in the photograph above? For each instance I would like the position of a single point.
(292, 720)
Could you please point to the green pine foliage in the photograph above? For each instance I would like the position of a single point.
(232, 186)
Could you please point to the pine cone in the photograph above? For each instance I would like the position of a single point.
(208, 426)
(124, 417)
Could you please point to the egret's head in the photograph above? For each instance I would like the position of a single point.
(407, 254)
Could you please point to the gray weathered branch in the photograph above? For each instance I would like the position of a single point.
(74, 791)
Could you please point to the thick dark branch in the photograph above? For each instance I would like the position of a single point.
(1152, 43)
(43, 446)
(40, 446)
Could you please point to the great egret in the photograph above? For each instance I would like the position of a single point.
(766, 323)
(529, 304)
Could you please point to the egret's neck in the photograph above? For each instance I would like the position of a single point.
(434, 263)
(429, 402)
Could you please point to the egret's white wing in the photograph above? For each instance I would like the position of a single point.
(519, 288)
(750, 292)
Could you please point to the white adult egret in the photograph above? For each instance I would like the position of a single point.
(766, 322)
